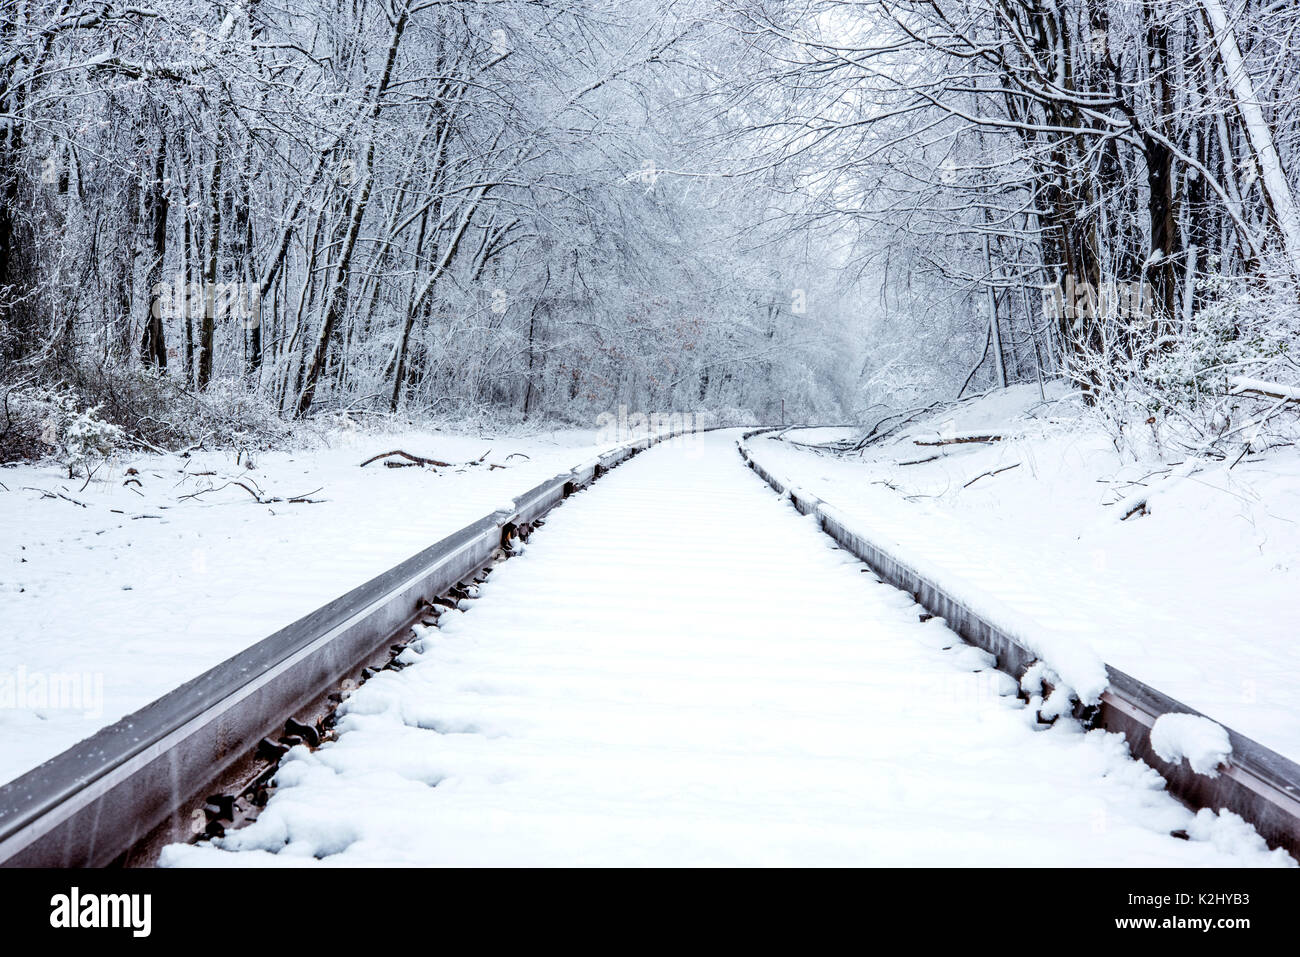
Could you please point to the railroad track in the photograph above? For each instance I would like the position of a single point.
(199, 759)
(1257, 783)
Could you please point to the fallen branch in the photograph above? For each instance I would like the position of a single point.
(959, 440)
(874, 436)
(1139, 503)
(258, 497)
(218, 488)
(921, 461)
(1005, 468)
(1241, 385)
(415, 459)
(90, 476)
(46, 493)
(420, 460)
(1137, 507)
(820, 449)
(148, 446)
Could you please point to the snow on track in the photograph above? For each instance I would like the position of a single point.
(101, 613)
(1197, 599)
(681, 670)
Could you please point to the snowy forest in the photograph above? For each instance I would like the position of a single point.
(728, 433)
(224, 217)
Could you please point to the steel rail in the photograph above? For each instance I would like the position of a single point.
(1257, 783)
(94, 803)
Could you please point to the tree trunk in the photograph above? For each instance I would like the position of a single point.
(211, 264)
(153, 347)
(999, 360)
(1276, 188)
(337, 302)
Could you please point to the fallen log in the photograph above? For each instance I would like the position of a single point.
(1272, 390)
(415, 459)
(958, 440)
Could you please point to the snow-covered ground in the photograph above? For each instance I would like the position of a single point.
(1199, 596)
(169, 569)
(681, 670)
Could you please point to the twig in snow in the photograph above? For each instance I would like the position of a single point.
(185, 452)
(817, 448)
(1140, 502)
(1005, 468)
(257, 494)
(90, 477)
(46, 493)
(218, 488)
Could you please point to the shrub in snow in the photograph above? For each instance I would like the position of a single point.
(55, 422)
(87, 438)
(22, 426)
(159, 409)
(1174, 395)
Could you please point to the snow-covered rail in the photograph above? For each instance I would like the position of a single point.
(1255, 782)
(141, 782)
(681, 670)
(590, 709)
